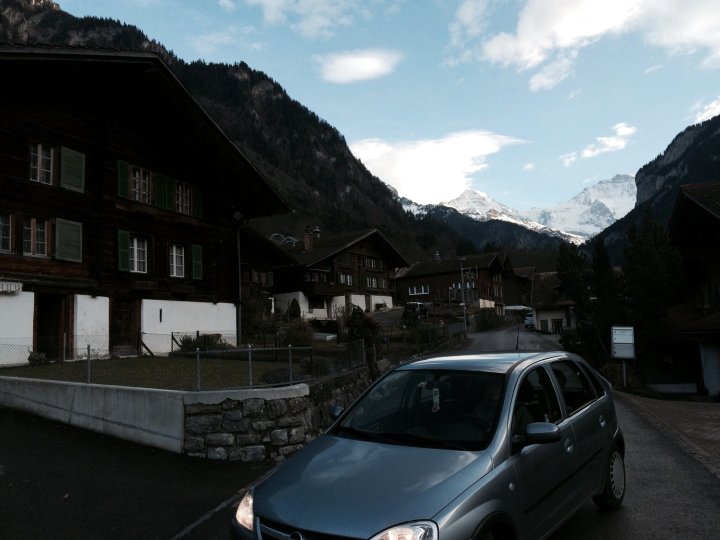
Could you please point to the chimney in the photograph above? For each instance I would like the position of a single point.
(308, 239)
(437, 256)
(316, 232)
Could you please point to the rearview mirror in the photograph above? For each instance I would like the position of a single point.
(538, 433)
(335, 411)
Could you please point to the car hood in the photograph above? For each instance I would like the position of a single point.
(345, 487)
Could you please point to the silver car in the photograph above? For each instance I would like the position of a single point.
(451, 448)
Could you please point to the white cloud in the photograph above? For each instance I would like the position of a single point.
(469, 21)
(312, 18)
(613, 143)
(207, 44)
(434, 170)
(708, 111)
(354, 66)
(652, 69)
(227, 5)
(549, 34)
(569, 159)
(528, 167)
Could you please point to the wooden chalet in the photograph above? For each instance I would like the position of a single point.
(334, 272)
(124, 206)
(553, 309)
(476, 280)
(694, 229)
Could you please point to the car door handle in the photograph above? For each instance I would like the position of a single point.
(569, 446)
(602, 421)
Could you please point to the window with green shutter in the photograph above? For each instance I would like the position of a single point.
(123, 251)
(72, 169)
(68, 240)
(197, 266)
(197, 205)
(122, 178)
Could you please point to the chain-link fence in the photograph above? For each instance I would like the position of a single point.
(192, 362)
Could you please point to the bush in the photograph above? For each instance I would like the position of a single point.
(37, 358)
(486, 319)
(294, 310)
(204, 342)
(297, 333)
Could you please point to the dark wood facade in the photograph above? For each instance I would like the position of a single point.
(139, 192)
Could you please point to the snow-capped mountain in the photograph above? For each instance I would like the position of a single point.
(582, 217)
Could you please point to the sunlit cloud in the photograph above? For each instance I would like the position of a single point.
(528, 167)
(227, 5)
(207, 44)
(708, 111)
(652, 69)
(612, 143)
(432, 170)
(354, 66)
(550, 35)
(568, 159)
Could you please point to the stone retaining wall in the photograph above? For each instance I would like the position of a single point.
(271, 424)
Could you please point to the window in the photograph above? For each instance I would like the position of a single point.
(183, 198)
(536, 401)
(177, 261)
(5, 232)
(373, 262)
(140, 185)
(138, 255)
(35, 237)
(41, 163)
(418, 289)
(371, 282)
(346, 279)
(574, 384)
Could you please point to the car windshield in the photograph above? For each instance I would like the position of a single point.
(431, 408)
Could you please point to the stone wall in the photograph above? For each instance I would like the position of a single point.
(269, 423)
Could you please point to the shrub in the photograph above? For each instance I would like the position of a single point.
(297, 333)
(37, 358)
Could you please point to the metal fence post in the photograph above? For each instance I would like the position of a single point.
(250, 373)
(290, 361)
(197, 369)
(88, 364)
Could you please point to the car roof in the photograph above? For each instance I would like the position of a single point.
(502, 362)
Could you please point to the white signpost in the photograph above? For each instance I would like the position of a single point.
(623, 345)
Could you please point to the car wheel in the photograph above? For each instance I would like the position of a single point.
(614, 489)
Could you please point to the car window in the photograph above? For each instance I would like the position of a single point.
(536, 401)
(429, 408)
(574, 385)
(592, 375)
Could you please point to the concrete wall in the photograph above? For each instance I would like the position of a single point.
(16, 326)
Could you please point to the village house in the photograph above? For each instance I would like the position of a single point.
(124, 210)
(695, 324)
(475, 280)
(332, 273)
(553, 310)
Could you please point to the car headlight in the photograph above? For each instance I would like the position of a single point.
(244, 514)
(421, 530)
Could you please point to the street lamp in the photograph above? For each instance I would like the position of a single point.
(462, 292)
(238, 216)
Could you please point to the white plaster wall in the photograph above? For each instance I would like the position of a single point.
(16, 327)
(92, 325)
(380, 299)
(710, 357)
(186, 317)
(548, 315)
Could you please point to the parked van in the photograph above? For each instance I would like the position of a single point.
(529, 320)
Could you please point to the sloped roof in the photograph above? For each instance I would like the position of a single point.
(706, 195)
(329, 245)
(688, 319)
(448, 266)
(546, 290)
(132, 90)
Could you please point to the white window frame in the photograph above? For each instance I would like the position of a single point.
(140, 184)
(414, 290)
(177, 261)
(35, 237)
(371, 282)
(42, 162)
(138, 255)
(183, 198)
(346, 278)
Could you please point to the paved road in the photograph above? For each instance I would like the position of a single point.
(61, 482)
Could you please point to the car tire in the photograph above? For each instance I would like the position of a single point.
(614, 484)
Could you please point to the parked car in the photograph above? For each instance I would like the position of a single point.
(454, 447)
(529, 320)
(414, 311)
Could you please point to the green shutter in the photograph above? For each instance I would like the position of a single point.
(197, 268)
(197, 201)
(68, 240)
(72, 169)
(160, 182)
(122, 178)
(170, 194)
(123, 251)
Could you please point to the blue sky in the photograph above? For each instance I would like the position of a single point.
(528, 101)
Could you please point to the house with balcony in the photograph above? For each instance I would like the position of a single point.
(475, 280)
(124, 210)
(332, 273)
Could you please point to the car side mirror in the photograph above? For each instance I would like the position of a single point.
(335, 411)
(537, 433)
